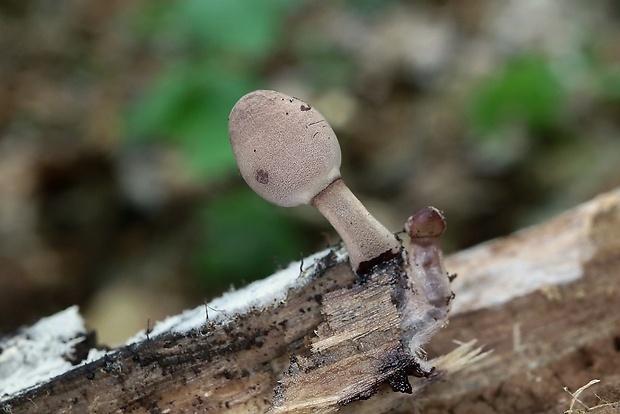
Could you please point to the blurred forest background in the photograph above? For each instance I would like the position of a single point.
(118, 188)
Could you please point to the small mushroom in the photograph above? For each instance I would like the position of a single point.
(425, 228)
(426, 310)
(288, 154)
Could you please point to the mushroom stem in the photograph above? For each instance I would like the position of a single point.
(366, 239)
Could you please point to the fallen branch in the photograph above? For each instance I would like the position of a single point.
(540, 299)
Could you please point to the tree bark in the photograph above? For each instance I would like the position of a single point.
(544, 303)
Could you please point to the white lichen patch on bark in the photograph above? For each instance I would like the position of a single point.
(261, 294)
(40, 352)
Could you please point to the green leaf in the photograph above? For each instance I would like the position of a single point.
(244, 26)
(524, 91)
(245, 238)
(609, 83)
(218, 44)
(189, 106)
(236, 27)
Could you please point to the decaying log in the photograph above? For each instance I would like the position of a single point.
(544, 303)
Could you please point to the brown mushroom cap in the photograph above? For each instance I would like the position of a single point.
(427, 222)
(286, 151)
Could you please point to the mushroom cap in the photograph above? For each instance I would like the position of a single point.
(286, 151)
(427, 222)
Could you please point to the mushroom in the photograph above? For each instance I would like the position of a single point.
(425, 228)
(288, 154)
(426, 310)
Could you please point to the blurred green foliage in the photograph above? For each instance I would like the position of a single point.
(244, 235)
(216, 49)
(216, 46)
(189, 106)
(609, 83)
(525, 91)
(527, 121)
(533, 91)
